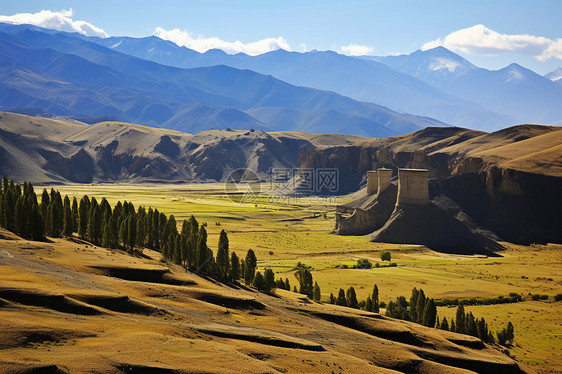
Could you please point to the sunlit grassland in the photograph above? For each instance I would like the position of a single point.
(283, 233)
(538, 328)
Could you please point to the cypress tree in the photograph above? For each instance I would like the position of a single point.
(118, 212)
(268, 280)
(202, 251)
(25, 221)
(223, 264)
(304, 277)
(259, 281)
(510, 332)
(341, 298)
(2, 219)
(57, 213)
(124, 233)
(430, 313)
(460, 320)
(250, 264)
(234, 267)
(192, 243)
(482, 329)
(444, 324)
(141, 227)
(68, 224)
(83, 216)
(5, 183)
(332, 298)
(131, 231)
(149, 228)
(110, 233)
(369, 304)
(95, 222)
(351, 298)
(45, 201)
(420, 306)
(9, 207)
(37, 224)
(184, 242)
(162, 224)
(375, 299)
(316, 294)
(30, 201)
(177, 250)
(453, 327)
(18, 216)
(471, 327)
(414, 304)
(287, 284)
(74, 214)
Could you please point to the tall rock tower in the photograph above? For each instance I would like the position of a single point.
(384, 176)
(372, 182)
(413, 187)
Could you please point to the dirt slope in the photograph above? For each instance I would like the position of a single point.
(44, 150)
(70, 307)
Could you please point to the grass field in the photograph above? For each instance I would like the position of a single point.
(285, 232)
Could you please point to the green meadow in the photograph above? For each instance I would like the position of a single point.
(284, 232)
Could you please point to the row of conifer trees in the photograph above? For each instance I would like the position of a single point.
(19, 211)
(121, 226)
(422, 310)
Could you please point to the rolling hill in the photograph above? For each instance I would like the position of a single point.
(63, 300)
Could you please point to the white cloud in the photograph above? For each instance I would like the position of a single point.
(201, 43)
(480, 40)
(55, 20)
(357, 50)
(553, 50)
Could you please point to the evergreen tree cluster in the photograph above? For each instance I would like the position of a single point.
(19, 211)
(266, 282)
(465, 323)
(506, 335)
(419, 309)
(304, 277)
(349, 299)
(283, 284)
(120, 227)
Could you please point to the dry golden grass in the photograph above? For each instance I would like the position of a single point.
(59, 307)
(281, 235)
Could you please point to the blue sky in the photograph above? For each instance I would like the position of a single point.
(525, 32)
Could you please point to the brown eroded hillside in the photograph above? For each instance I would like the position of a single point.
(44, 150)
(67, 306)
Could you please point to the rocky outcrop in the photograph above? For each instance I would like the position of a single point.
(364, 215)
(78, 168)
(167, 147)
(519, 207)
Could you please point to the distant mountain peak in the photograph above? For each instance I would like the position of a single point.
(555, 75)
(444, 64)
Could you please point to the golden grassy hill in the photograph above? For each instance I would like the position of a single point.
(67, 306)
